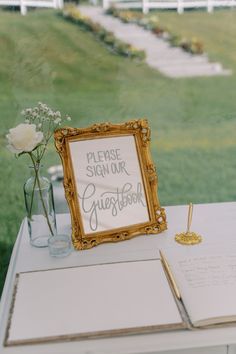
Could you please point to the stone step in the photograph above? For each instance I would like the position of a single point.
(193, 72)
(190, 66)
(165, 58)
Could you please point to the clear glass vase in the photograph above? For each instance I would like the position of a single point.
(40, 208)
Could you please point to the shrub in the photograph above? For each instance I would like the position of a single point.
(197, 46)
(174, 40)
(109, 39)
(158, 30)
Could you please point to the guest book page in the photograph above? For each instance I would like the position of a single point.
(122, 298)
(206, 277)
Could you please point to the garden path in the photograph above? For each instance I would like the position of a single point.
(170, 61)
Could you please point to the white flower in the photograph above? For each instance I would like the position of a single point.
(57, 120)
(23, 138)
(68, 118)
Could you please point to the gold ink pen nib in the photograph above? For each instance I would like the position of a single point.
(188, 237)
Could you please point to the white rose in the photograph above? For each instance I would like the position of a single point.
(23, 138)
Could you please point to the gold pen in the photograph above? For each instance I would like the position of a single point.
(168, 270)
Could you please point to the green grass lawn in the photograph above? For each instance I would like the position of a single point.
(193, 121)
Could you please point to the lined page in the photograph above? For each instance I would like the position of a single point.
(89, 299)
(206, 277)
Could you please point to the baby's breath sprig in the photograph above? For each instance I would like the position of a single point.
(46, 120)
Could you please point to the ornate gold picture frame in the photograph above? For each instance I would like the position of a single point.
(110, 182)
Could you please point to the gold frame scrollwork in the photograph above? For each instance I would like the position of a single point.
(140, 129)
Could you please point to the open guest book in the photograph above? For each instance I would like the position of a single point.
(206, 279)
(125, 298)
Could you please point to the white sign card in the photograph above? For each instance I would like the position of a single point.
(109, 183)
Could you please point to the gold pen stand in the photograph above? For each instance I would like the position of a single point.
(188, 237)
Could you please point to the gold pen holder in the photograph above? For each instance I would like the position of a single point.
(188, 237)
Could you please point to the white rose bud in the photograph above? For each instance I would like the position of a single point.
(23, 138)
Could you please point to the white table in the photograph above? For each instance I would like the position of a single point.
(216, 222)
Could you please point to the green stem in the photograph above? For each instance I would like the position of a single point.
(32, 199)
(41, 195)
